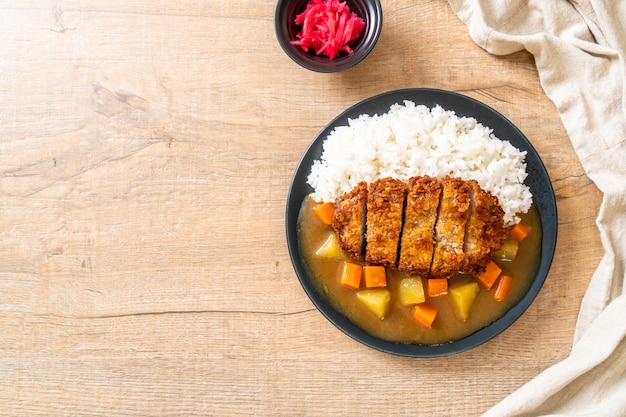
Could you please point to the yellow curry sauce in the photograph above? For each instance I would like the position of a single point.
(397, 325)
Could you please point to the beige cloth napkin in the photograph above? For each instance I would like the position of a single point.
(580, 52)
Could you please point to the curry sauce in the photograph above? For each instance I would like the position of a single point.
(398, 325)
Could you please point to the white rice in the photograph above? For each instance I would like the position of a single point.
(413, 140)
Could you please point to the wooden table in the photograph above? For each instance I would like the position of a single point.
(146, 150)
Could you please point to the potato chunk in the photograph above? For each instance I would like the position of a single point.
(462, 297)
(508, 251)
(411, 291)
(330, 248)
(376, 300)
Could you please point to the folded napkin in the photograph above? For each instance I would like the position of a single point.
(580, 52)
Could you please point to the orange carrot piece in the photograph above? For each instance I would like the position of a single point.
(503, 287)
(436, 287)
(375, 276)
(350, 275)
(518, 231)
(325, 212)
(424, 315)
(489, 276)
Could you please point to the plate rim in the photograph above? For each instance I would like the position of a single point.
(547, 212)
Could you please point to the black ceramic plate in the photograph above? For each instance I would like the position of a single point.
(537, 180)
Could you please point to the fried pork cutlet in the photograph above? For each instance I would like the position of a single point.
(485, 229)
(420, 214)
(385, 206)
(430, 227)
(349, 221)
(450, 228)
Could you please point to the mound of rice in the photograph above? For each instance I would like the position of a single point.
(413, 140)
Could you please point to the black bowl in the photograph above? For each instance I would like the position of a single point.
(286, 30)
(538, 181)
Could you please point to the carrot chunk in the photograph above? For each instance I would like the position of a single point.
(375, 276)
(325, 212)
(489, 276)
(436, 287)
(518, 231)
(350, 275)
(424, 315)
(503, 287)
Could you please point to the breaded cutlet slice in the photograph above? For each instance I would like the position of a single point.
(485, 229)
(349, 221)
(385, 204)
(418, 233)
(450, 228)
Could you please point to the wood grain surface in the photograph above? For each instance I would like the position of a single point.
(146, 150)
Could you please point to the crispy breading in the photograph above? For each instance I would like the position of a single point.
(485, 229)
(450, 228)
(430, 227)
(385, 206)
(349, 221)
(420, 215)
